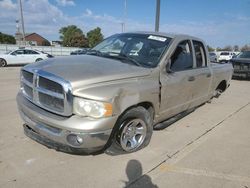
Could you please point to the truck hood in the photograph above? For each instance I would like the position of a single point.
(88, 69)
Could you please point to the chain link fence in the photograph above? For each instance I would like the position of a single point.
(53, 50)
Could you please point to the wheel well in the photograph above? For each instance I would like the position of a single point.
(222, 86)
(149, 107)
(146, 105)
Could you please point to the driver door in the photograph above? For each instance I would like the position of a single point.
(177, 82)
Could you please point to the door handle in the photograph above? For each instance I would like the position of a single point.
(191, 78)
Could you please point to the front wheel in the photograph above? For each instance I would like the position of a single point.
(3, 63)
(132, 135)
(134, 132)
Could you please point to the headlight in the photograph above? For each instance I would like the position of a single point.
(95, 109)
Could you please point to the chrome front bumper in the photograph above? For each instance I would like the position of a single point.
(60, 132)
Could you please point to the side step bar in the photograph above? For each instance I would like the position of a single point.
(173, 119)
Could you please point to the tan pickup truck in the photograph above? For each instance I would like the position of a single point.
(114, 96)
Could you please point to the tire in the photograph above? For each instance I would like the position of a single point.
(3, 63)
(218, 93)
(39, 59)
(133, 133)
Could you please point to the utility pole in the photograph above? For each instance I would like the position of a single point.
(21, 14)
(157, 15)
(125, 15)
(122, 25)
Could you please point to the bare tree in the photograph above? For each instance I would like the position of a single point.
(236, 48)
(227, 48)
(245, 48)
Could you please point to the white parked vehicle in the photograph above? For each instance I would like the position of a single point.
(213, 57)
(226, 56)
(22, 56)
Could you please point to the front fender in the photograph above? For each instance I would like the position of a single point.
(124, 93)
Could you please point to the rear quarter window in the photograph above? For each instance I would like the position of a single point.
(200, 54)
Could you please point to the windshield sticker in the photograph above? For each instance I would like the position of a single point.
(162, 39)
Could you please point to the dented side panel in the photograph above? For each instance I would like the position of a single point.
(126, 93)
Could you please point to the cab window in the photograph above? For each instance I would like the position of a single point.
(200, 54)
(182, 58)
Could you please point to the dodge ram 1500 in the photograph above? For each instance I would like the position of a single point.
(118, 92)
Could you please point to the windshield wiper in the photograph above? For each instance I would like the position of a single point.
(122, 56)
(116, 55)
(94, 52)
(130, 59)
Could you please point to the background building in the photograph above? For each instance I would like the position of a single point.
(32, 39)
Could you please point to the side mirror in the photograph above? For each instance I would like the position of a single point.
(168, 67)
(13, 54)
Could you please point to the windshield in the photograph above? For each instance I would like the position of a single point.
(245, 54)
(140, 49)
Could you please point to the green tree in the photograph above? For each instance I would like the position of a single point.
(7, 39)
(73, 36)
(210, 49)
(236, 48)
(94, 36)
(219, 49)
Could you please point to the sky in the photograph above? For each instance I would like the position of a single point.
(218, 22)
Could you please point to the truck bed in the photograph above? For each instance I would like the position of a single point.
(221, 72)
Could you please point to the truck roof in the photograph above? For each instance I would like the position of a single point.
(170, 35)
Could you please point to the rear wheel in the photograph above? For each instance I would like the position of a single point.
(220, 89)
(218, 92)
(134, 132)
(3, 63)
(39, 59)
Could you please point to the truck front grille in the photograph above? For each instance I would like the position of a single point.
(47, 91)
(50, 85)
(28, 76)
(51, 102)
(28, 91)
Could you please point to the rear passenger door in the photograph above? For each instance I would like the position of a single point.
(202, 75)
